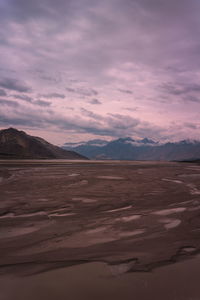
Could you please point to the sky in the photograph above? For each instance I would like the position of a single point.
(75, 70)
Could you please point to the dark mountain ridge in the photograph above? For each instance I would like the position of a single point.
(144, 149)
(19, 145)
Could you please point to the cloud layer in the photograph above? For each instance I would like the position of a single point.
(80, 69)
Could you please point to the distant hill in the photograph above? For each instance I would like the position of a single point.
(19, 145)
(144, 149)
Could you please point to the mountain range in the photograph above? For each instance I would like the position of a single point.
(135, 149)
(17, 144)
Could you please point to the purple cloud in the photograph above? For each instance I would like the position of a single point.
(139, 57)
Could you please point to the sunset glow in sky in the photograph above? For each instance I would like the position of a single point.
(75, 70)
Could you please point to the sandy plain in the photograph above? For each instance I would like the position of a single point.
(85, 215)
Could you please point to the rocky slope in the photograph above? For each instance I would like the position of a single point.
(17, 144)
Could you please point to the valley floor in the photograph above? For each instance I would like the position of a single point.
(122, 216)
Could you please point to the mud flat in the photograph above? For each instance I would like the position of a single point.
(100, 281)
(101, 220)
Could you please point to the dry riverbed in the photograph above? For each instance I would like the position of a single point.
(129, 216)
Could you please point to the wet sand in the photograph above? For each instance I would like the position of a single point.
(97, 220)
(99, 281)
